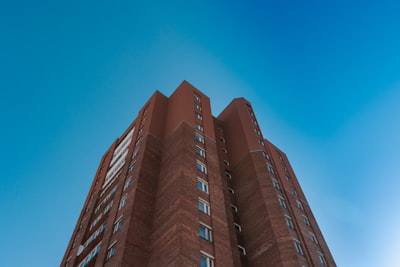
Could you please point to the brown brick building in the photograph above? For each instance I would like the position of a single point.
(183, 188)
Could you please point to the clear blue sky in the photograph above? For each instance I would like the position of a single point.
(323, 78)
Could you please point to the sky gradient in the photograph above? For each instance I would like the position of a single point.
(323, 78)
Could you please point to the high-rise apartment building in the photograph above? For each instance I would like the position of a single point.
(183, 188)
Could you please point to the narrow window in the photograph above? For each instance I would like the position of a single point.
(201, 167)
(238, 227)
(228, 174)
(198, 127)
(298, 247)
(270, 169)
(224, 150)
(127, 184)
(205, 232)
(202, 185)
(206, 260)
(204, 207)
(276, 184)
(197, 106)
(226, 162)
(231, 190)
(222, 139)
(266, 155)
(199, 138)
(299, 205)
(289, 222)
(282, 202)
(234, 208)
(111, 252)
(242, 250)
(313, 238)
(200, 152)
(198, 116)
(306, 221)
(197, 98)
(117, 225)
(322, 259)
(122, 203)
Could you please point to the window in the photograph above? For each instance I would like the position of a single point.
(205, 232)
(306, 221)
(228, 174)
(231, 190)
(206, 260)
(298, 247)
(276, 184)
(242, 250)
(199, 138)
(201, 167)
(321, 258)
(198, 127)
(299, 205)
(270, 169)
(234, 208)
(117, 225)
(222, 139)
(131, 167)
(111, 252)
(197, 106)
(198, 116)
(266, 155)
(122, 203)
(90, 256)
(282, 202)
(204, 207)
(108, 207)
(289, 222)
(135, 152)
(261, 142)
(127, 184)
(313, 238)
(224, 150)
(293, 192)
(200, 152)
(226, 162)
(238, 227)
(197, 98)
(202, 185)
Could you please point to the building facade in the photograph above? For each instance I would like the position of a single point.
(183, 188)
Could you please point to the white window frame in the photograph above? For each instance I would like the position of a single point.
(198, 116)
(201, 152)
(208, 258)
(207, 232)
(313, 238)
(299, 204)
(276, 184)
(238, 227)
(201, 167)
(322, 259)
(289, 222)
(204, 206)
(282, 202)
(199, 138)
(199, 127)
(270, 169)
(231, 190)
(242, 250)
(298, 247)
(111, 251)
(234, 208)
(122, 202)
(117, 224)
(202, 185)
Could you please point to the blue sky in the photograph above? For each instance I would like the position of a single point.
(323, 78)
